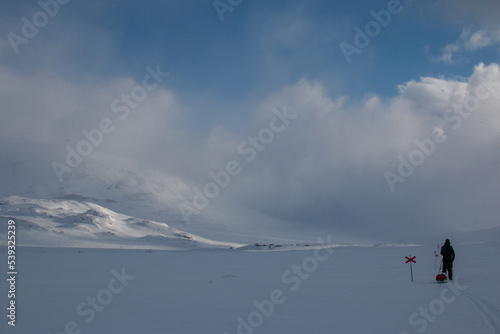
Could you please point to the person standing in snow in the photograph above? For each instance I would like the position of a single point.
(448, 257)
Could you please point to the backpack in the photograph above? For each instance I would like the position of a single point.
(447, 252)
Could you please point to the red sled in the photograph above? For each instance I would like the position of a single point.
(441, 278)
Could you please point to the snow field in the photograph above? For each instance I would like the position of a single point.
(354, 290)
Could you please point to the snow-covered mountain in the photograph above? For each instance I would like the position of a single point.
(79, 223)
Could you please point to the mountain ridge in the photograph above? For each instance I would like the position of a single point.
(68, 222)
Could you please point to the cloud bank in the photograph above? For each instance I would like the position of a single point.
(326, 169)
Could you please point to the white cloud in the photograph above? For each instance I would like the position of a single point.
(448, 52)
(479, 39)
(327, 165)
(50, 109)
(469, 41)
(334, 155)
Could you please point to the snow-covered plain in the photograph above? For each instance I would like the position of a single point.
(85, 269)
(352, 290)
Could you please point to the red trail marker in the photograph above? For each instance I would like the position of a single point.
(410, 259)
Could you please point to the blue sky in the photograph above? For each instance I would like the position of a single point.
(226, 76)
(259, 47)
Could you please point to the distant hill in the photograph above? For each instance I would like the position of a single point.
(79, 223)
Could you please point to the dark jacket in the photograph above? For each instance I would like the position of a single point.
(447, 252)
